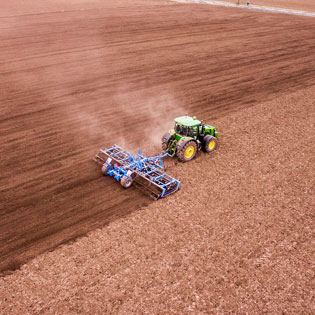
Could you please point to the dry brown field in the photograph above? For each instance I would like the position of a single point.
(78, 76)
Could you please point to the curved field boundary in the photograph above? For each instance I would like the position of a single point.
(251, 7)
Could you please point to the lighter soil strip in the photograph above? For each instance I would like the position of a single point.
(251, 7)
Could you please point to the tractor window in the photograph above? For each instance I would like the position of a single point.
(181, 130)
(190, 132)
(195, 131)
(185, 131)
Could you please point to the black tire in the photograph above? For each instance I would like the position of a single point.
(188, 152)
(209, 143)
(126, 182)
(166, 140)
(105, 168)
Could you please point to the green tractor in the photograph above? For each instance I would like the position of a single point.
(188, 136)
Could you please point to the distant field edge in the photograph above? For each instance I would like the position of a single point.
(251, 7)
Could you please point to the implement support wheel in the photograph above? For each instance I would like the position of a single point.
(188, 152)
(126, 181)
(105, 168)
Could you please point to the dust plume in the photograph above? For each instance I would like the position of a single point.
(145, 117)
(131, 119)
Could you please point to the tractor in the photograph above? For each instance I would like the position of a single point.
(188, 136)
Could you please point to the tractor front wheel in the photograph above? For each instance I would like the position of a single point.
(188, 152)
(209, 143)
(126, 181)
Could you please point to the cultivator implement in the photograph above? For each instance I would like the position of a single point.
(144, 172)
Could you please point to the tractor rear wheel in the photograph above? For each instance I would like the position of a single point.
(166, 140)
(105, 168)
(209, 143)
(126, 181)
(188, 152)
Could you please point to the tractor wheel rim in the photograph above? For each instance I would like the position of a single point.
(189, 152)
(211, 145)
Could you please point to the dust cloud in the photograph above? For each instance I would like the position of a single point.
(147, 116)
(131, 119)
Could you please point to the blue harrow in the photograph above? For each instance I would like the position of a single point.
(144, 172)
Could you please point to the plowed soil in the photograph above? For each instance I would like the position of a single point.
(76, 77)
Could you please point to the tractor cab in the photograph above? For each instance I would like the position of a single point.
(186, 126)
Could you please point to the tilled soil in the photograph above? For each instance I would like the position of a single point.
(78, 80)
(237, 238)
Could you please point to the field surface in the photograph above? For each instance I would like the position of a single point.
(77, 76)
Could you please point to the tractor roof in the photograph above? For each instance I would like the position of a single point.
(188, 121)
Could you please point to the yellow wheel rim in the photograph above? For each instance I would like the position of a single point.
(189, 152)
(211, 144)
